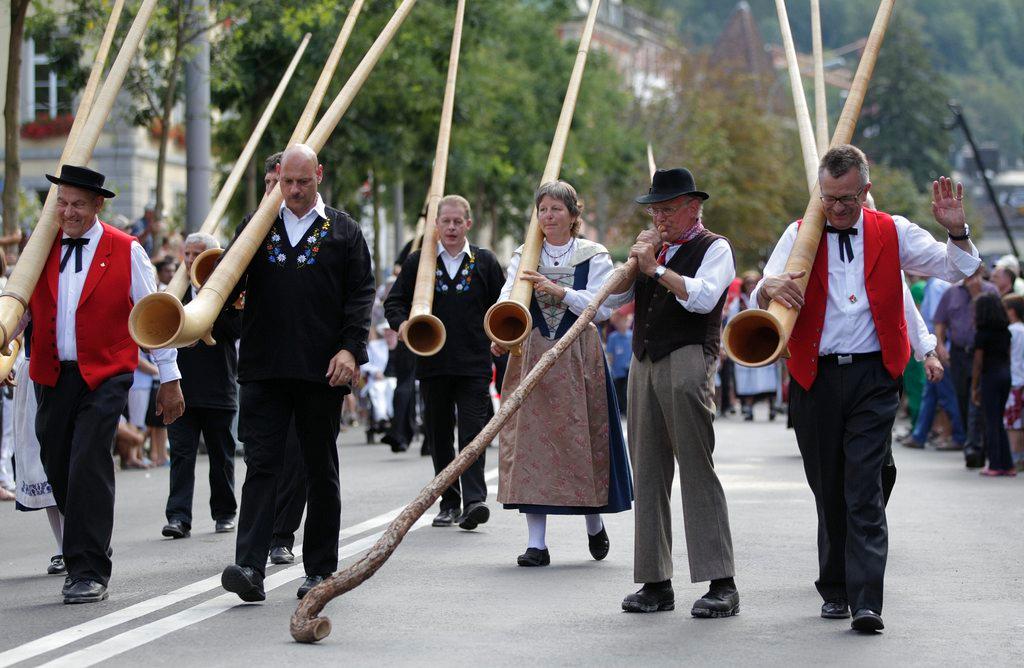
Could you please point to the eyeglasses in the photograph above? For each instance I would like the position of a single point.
(663, 212)
(845, 200)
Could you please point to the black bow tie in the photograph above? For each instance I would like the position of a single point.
(77, 245)
(845, 244)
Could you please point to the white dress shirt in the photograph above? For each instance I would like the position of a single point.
(712, 278)
(452, 262)
(849, 327)
(69, 293)
(294, 226)
(921, 340)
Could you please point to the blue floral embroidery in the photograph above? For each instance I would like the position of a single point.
(275, 249)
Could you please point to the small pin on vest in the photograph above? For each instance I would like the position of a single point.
(853, 299)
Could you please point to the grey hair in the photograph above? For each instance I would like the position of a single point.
(208, 240)
(566, 194)
(841, 159)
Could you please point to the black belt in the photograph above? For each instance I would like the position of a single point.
(840, 359)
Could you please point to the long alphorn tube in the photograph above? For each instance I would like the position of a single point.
(179, 283)
(758, 337)
(206, 262)
(651, 166)
(508, 322)
(160, 320)
(424, 332)
(19, 288)
(820, 102)
(796, 84)
(306, 625)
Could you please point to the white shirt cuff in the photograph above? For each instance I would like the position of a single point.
(169, 371)
(967, 263)
(694, 287)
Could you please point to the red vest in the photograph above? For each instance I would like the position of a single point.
(105, 348)
(884, 287)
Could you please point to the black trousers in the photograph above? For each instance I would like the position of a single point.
(443, 396)
(215, 426)
(403, 424)
(76, 427)
(842, 427)
(962, 362)
(291, 493)
(995, 388)
(266, 408)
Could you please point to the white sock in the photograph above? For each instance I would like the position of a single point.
(537, 526)
(57, 526)
(594, 524)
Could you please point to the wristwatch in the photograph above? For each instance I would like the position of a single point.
(931, 353)
(963, 237)
(659, 272)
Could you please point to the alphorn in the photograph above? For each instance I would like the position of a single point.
(758, 337)
(424, 332)
(206, 262)
(179, 283)
(508, 322)
(651, 166)
(796, 84)
(820, 101)
(306, 625)
(160, 320)
(78, 150)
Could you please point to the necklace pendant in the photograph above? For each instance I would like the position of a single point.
(556, 263)
(853, 299)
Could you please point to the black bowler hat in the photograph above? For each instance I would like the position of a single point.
(669, 184)
(81, 177)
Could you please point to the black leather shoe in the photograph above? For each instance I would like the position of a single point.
(396, 445)
(310, 582)
(244, 581)
(973, 458)
(66, 587)
(445, 518)
(652, 597)
(477, 513)
(176, 529)
(835, 609)
(599, 544)
(85, 591)
(534, 557)
(867, 621)
(281, 555)
(722, 600)
(56, 565)
(224, 526)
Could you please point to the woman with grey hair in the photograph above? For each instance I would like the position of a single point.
(563, 452)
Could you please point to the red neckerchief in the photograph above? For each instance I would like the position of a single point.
(688, 235)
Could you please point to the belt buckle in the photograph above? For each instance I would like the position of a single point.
(844, 359)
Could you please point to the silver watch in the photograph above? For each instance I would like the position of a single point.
(659, 272)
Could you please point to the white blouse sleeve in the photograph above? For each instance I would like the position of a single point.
(601, 268)
(510, 277)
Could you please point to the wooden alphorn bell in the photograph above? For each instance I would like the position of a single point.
(91, 115)
(206, 262)
(508, 322)
(160, 320)
(424, 333)
(758, 337)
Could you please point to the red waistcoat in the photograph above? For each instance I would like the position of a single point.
(105, 348)
(884, 288)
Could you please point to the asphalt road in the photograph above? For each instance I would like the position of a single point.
(455, 598)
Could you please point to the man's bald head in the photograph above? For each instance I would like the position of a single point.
(300, 175)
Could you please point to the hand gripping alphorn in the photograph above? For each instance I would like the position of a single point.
(306, 625)
(508, 322)
(758, 337)
(92, 112)
(160, 320)
(424, 332)
(206, 262)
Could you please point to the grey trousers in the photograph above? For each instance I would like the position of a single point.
(671, 409)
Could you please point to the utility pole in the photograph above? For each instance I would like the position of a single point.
(197, 121)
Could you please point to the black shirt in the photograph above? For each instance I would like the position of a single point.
(209, 373)
(995, 342)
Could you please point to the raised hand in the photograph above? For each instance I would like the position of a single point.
(947, 206)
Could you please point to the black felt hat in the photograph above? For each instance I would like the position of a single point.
(669, 184)
(81, 177)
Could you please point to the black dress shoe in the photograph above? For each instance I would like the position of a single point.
(396, 445)
(68, 581)
(244, 581)
(310, 582)
(477, 513)
(534, 557)
(652, 597)
(835, 609)
(176, 529)
(85, 591)
(56, 565)
(722, 600)
(867, 621)
(445, 518)
(973, 458)
(224, 526)
(599, 544)
(281, 555)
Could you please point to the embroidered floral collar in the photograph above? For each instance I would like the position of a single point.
(309, 247)
(463, 279)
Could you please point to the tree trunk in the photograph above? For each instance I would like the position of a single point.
(12, 121)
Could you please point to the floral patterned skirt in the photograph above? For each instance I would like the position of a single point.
(1014, 408)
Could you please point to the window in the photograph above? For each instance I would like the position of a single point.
(48, 96)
